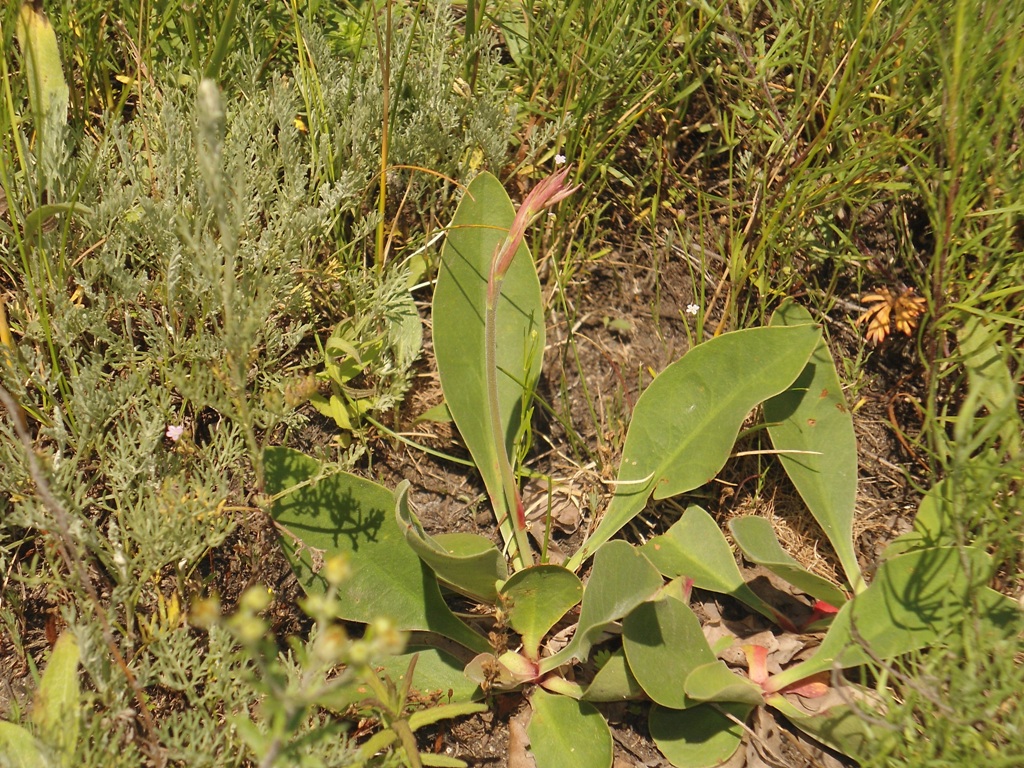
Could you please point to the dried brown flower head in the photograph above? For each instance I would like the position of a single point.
(886, 308)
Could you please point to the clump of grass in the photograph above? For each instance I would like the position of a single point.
(959, 703)
(437, 130)
(839, 153)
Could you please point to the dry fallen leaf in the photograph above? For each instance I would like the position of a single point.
(519, 742)
(559, 501)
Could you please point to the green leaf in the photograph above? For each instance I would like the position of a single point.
(441, 761)
(47, 89)
(345, 514)
(45, 213)
(406, 330)
(378, 742)
(695, 547)
(614, 681)
(19, 747)
(536, 598)
(511, 19)
(620, 580)
(480, 225)
(437, 673)
(566, 733)
(438, 413)
(439, 712)
(222, 46)
(56, 703)
(664, 643)
(755, 536)
(699, 737)
(812, 416)
(486, 668)
(335, 408)
(833, 722)
(341, 370)
(914, 600)
(716, 682)
(986, 362)
(932, 524)
(686, 422)
(468, 563)
(563, 687)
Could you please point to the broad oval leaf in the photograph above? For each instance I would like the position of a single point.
(756, 538)
(664, 643)
(812, 417)
(685, 423)
(614, 681)
(620, 580)
(716, 682)
(695, 547)
(566, 733)
(536, 598)
(344, 514)
(466, 562)
(481, 223)
(699, 737)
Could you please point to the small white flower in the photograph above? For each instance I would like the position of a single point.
(692, 309)
(174, 432)
(559, 159)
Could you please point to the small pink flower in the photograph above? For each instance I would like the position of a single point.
(174, 432)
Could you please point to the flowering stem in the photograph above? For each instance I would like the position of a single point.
(513, 514)
(548, 192)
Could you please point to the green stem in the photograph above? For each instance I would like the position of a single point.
(512, 514)
(384, 55)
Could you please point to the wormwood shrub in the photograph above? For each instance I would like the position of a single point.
(153, 322)
(436, 123)
(160, 285)
(186, 302)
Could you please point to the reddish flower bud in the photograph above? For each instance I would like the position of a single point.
(547, 193)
